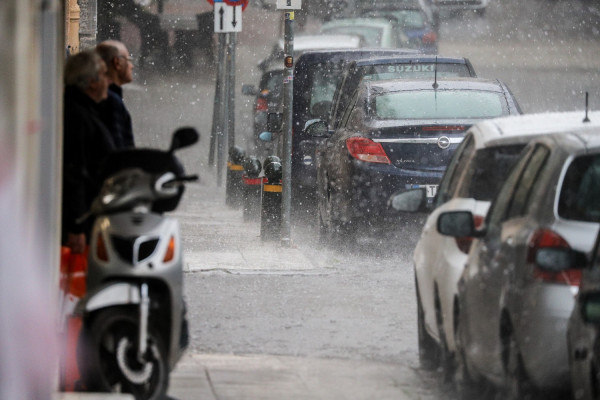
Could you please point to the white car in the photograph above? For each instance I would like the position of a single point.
(478, 6)
(476, 171)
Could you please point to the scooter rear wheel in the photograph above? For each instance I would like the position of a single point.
(108, 357)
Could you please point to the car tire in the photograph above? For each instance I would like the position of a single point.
(428, 350)
(516, 386)
(446, 358)
(465, 386)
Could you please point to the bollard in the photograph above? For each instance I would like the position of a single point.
(270, 215)
(233, 188)
(251, 188)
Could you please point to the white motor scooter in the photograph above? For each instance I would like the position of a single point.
(134, 325)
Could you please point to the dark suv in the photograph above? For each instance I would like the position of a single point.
(316, 76)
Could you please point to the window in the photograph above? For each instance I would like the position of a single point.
(580, 192)
(520, 200)
(433, 104)
(487, 170)
(323, 85)
(454, 171)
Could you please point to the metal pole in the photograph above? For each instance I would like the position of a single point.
(222, 109)
(288, 94)
(231, 90)
(216, 110)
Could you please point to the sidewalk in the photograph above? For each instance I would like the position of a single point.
(216, 238)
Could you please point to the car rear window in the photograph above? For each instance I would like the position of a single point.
(371, 35)
(407, 19)
(487, 170)
(415, 71)
(580, 190)
(438, 104)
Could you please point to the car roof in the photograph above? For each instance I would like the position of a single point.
(501, 130)
(398, 85)
(324, 41)
(408, 59)
(388, 4)
(376, 22)
(585, 137)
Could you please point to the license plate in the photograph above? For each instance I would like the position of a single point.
(430, 190)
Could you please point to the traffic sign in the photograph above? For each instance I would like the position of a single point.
(289, 4)
(243, 3)
(228, 18)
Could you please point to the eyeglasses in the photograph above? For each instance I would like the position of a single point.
(128, 58)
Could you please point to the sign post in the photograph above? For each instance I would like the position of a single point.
(288, 93)
(227, 21)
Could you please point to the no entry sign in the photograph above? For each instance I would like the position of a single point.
(234, 3)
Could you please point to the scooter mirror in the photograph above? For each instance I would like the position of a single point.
(184, 137)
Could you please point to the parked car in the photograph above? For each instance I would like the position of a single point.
(410, 20)
(513, 303)
(391, 66)
(584, 330)
(376, 32)
(316, 76)
(307, 42)
(268, 95)
(477, 6)
(474, 175)
(386, 68)
(396, 135)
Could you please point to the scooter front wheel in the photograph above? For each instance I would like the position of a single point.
(109, 361)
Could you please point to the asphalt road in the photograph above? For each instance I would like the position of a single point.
(362, 307)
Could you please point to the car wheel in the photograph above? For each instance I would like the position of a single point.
(465, 386)
(428, 349)
(516, 385)
(446, 358)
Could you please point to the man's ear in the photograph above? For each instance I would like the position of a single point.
(116, 63)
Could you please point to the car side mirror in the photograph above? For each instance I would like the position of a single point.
(558, 259)
(590, 308)
(457, 224)
(249, 90)
(274, 122)
(411, 201)
(316, 128)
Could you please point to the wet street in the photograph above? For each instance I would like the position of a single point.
(354, 303)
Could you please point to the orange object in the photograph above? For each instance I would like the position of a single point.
(73, 273)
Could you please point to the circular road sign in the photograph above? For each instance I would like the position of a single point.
(234, 3)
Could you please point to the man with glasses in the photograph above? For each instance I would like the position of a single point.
(115, 115)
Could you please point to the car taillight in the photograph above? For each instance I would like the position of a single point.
(545, 238)
(464, 243)
(262, 104)
(365, 149)
(429, 37)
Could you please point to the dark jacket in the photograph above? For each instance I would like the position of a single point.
(116, 118)
(86, 143)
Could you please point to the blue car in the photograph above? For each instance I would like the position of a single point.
(395, 135)
(348, 77)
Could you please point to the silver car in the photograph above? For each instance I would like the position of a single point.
(474, 175)
(513, 308)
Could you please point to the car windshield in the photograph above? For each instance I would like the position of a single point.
(371, 35)
(415, 71)
(438, 104)
(581, 190)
